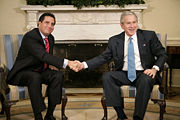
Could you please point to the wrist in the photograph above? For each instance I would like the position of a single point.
(155, 67)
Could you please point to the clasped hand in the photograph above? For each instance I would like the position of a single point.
(75, 65)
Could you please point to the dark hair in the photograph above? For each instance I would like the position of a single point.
(41, 18)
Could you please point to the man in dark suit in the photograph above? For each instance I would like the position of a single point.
(36, 65)
(140, 61)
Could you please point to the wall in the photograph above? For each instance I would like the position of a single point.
(12, 18)
(162, 16)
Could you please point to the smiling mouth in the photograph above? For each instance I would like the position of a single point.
(131, 30)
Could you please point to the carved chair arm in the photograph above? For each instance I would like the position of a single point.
(111, 66)
(163, 86)
(4, 88)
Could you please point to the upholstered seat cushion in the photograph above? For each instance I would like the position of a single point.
(130, 92)
(21, 93)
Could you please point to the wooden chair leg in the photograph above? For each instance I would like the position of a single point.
(103, 102)
(64, 102)
(7, 108)
(162, 105)
(2, 104)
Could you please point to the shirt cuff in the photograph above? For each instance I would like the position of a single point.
(65, 63)
(85, 65)
(156, 67)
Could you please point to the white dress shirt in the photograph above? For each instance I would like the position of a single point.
(138, 65)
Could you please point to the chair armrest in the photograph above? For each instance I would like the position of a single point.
(163, 86)
(111, 66)
(1, 69)
(4, 88)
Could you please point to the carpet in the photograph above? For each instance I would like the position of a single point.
(91, 109)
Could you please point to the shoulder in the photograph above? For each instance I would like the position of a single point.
(33, 36)
(117, 37)
(34, 33)
(145, 32)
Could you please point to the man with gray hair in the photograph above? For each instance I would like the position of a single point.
(133, 52)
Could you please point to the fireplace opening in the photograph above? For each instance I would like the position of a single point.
(82, 52)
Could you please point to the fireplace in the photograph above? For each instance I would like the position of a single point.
(81, 52)
(82, 35)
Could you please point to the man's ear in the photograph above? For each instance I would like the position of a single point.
(122, 26)
(39, 23)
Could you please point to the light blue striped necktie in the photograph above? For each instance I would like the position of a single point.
(131, 61)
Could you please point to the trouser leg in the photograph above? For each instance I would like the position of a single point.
(112, 81)
(54, 89)
(144, 85)
(35, 93)
(33, 81)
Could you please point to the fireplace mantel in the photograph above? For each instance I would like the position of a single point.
(84, 25)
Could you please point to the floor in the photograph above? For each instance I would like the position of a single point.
(84, 104)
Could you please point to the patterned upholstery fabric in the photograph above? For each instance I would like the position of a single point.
(130, 92)
(21, 93)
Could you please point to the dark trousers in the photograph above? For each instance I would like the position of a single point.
(114, 79)
(34, 80)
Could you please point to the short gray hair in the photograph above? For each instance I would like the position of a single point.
(125, 13)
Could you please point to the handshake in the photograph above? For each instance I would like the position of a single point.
(75, 65)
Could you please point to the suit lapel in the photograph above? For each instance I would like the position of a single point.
(39, 36)
(50, 45)
(142, 45)
(120, 46)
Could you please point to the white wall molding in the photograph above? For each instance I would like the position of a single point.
(174, 41)
(96, 23)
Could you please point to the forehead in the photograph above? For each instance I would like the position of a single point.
(48, 18)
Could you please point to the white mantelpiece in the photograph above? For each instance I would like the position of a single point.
(96, 24)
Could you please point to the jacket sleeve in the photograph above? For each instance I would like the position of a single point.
(158, 51)
(35, 47)
(101, 59)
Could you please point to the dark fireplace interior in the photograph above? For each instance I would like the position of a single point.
(81, 52)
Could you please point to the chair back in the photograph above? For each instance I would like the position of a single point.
(16, 92)
(8, 51)
(159, 36)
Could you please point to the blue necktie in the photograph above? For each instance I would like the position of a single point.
(131, 61)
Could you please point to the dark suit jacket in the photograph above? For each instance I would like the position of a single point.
(32, 55)
(149, 47)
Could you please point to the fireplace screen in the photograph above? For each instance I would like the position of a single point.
(81, 52)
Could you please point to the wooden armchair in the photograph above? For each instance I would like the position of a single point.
(9, 95)
(157, 96)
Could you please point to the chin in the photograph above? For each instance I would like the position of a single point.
(132, 33)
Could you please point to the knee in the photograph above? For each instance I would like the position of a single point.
(35, 80)
(106, 77)
(147, 80)
(57, 77)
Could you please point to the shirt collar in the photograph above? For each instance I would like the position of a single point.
(133, 36)
(42, 35)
